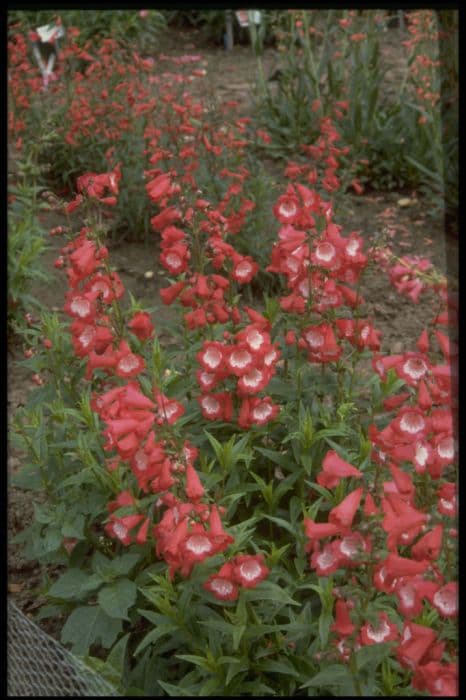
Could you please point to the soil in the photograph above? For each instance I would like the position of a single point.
(412, 232)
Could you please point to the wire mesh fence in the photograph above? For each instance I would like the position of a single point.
(40, 666)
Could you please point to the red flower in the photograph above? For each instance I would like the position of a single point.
(410, 424)
(256, 411)
(402, 482)
(429, 546)
(175, 259)
(169, 410)
(74, 204)
(124, 498)
(326, 255)
(318, 530)
(244, 269)
(169, 294)
(327, 561)
(287, 208)
(206, 380)
(121, 527)
(442, 421)
(424, 399)
(320, 342)
(448, 349)
(446, 495)
(370, 507)
(402, 522)
(410, 592)
(443, 455)
(254, 381)
(128, 363)
(422, 342)
(351, 548)
(221, 538)
(159, 187)
(194, 488)
(395, 401)
(423, 456)
(141, 325)
(165, 218)
(397, 566)
(222, 588)
(249, 570)
(412, 368)
(385, 631)
(106, 360)
(343, 514)
(107, 287)
(342, 625)
(216, 406)
(445, 600)
(141, 537)
(334, 469)
(81, 306)
(415, 644)
(197, 545)
(440, 680)
(212, 356)
(240, 360)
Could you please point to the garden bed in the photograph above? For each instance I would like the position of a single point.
(402, 218)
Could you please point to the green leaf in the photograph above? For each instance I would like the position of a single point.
(99, 562)
(283, 666)
(50, 543)
(333, 675)
(116, 598)
(49, 611)
(155, 634)
(93, 582)
(331, 432)
(325, 620)
(117, 656)
(200, 661)
(236, 666)
(372, 655)
(70, 585)
(280, 458)
(328, 495)
(210, 687)
(238, 631)
(42, 514)
(217, 446)
(28, 478)
(281, 523)
(267, 590)
(74, 527)
(88, 625)
(123, 565)
(175, 691)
